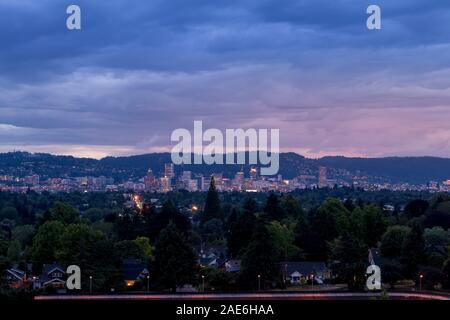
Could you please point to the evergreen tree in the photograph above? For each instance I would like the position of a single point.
(175, 261)
(272, 209)
(349, 204)
(212, 209)
(292, 208)
(240, 233)
(260, 258)
(250, 205)
(348, 260)
(155, 222)
(416, 208)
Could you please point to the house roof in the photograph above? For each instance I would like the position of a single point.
(206, 261)
(233, 265)
(47, 269)
(374, 257)
(16, 273)
(304, 268)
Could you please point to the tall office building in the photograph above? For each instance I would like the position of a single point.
(253, 173)
(186, 175)
(239, 180)
(202, 183)
(323, 182)
(151, 183)
(218, 181)
(169, 170)
(165, 184)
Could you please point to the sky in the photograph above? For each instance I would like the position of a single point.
(139, 69)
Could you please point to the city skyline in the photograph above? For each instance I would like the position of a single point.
(136, 71)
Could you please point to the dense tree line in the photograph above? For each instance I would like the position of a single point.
(97, 232)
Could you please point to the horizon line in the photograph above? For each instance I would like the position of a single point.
(167, 152)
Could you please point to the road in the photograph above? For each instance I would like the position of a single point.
(249, 296)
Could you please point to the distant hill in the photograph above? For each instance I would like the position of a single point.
(394, 169)
(397, 169)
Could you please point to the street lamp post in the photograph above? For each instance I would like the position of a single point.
(259, 282)
(420, 281)
(90, 284)
(203, 283)
(148, 284)
(312, 282)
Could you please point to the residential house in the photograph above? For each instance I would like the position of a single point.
(210, 260)
(14, 278)
(133, 270)
(233, 265)
(296, 273)
(52, 276)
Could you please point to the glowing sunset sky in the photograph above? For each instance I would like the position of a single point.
(139, 69)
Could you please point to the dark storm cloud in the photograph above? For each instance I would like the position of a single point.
(139, 69)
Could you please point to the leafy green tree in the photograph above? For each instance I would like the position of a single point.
(169, 213)
(306, 239)
(436, 236)
(273, 209)
(78, 241)
(291, 207)
(241, 233)
(250, 205)
(140, 249)
(416, 208)
(374, 224)
(439, 198)
(94, 214)
(212, 209)
(283, 239)
(106, 227)
(89, 249)
(175, 261)
(47, 244)
(212, 230)
(146, 248)
(349, 204)
(391, 272)
(129, 249)
(9, 213)
(439, 215)
(14, 252)
(104, 266)
(260, 258)
(61, 212)
(330, 219)
(24, 234)
(413, 250)
(218, 280)
(392, 241)
(124, 225)
(348, 260)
